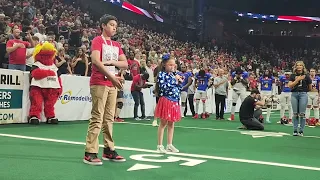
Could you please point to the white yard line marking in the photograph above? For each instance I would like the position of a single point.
(184, 127)
(312, 137)
(177, 154)
(210, 129)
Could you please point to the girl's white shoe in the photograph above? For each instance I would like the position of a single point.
(171, 148)
(160, 149)
(154, 123)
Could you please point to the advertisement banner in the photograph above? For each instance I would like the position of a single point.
(11, 92)
(75, 101)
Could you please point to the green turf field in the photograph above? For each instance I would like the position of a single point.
(210, 149)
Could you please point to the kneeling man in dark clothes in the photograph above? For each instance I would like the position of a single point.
(250, 111)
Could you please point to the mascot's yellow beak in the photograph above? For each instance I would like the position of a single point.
(45, 48)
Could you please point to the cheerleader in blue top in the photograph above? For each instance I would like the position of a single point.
(168, 107)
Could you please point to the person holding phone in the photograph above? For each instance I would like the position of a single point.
(139, 83)
(300, 83)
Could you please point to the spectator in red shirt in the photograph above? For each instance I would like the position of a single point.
(253, 84)
(134, 65)
(138, 83)
(16, 48)
(107, 56)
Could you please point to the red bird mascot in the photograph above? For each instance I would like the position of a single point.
(45, 84)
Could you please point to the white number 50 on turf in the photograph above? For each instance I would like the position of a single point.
(169, 159)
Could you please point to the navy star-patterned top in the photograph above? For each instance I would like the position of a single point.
(168, 86)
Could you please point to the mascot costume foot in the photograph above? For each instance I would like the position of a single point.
(45, 84)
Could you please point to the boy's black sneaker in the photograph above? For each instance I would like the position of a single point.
(109, 155)
(92, 159)
(295, 133)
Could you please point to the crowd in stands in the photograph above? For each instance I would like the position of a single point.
(71, 30)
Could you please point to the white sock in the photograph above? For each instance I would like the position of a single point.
(268, 114)
(182, 110)
(197, 106)
(203, 107)
(282, 110)
(316, 113)
(233, 109)
(290, 112)
(308, 113)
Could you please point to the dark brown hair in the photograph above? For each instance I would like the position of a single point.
(106, 18)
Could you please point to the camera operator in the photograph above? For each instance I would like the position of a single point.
(139, 83)
(16, 48)
(250, 111)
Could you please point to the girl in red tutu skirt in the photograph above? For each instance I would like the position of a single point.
(168, 108)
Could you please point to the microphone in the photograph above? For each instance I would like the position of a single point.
(174, 73)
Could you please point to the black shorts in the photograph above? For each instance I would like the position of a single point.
(120, 95)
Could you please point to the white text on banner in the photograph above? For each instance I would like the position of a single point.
(11, 91)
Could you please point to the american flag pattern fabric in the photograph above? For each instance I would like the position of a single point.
(135, 9)
(277, 17)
